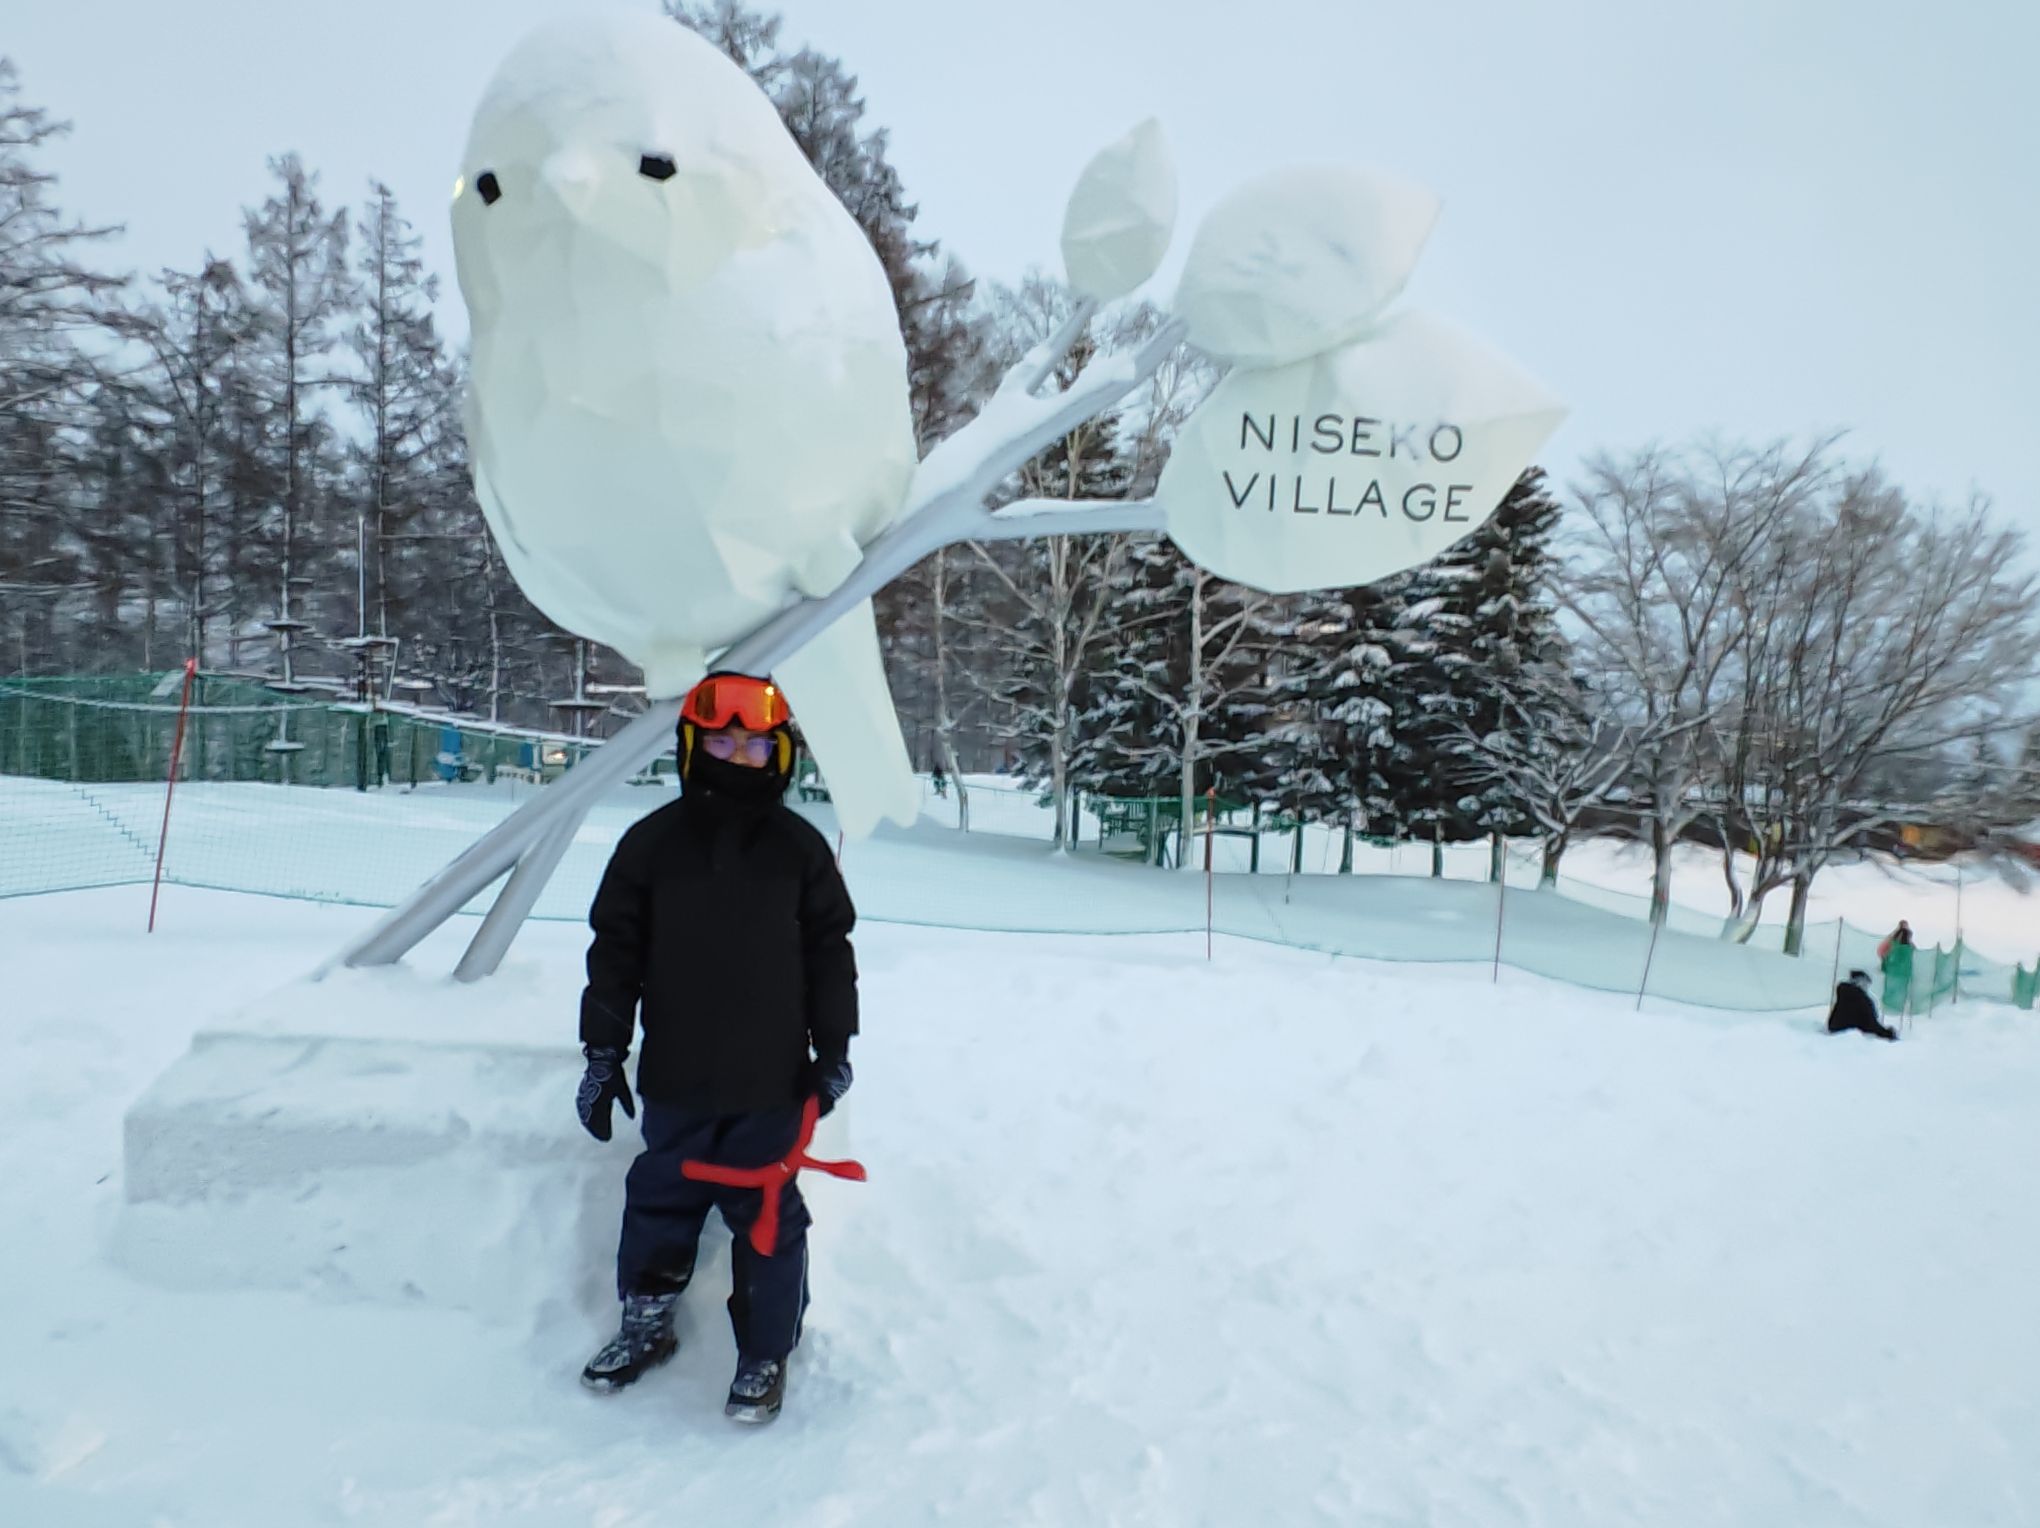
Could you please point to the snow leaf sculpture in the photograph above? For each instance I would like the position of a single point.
(1121, 215)
(1299, 261)
(1345, 467)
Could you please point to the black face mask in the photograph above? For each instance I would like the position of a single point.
(733, 782)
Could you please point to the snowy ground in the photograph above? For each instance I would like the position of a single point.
(1281, 1239)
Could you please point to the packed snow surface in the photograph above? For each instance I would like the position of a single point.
(1275, 1239)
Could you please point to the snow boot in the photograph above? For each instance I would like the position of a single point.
(757, 1390)
(643, 1342)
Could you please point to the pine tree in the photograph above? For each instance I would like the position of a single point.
(300, 290)
(408, 465)
(1475, 624)
(192, 332)
(1316, 740)
(1183, 651)
(53, 309)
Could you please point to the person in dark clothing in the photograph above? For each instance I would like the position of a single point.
(1854, 1009)
(722, 926)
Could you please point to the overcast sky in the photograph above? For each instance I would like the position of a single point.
(1758, 217)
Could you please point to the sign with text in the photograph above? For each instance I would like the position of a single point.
(1349, 466)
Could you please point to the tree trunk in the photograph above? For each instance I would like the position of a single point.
(1437, 852)
(945, 724)
(1735, 891)
(1346, 846)
(1752, 915)
(1661, 871)
(956, 779)
(1795, 920)
(1554, 850)
(1059, 786)
(1192, 715)
(1497, 855)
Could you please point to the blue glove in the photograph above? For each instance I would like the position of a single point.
(826, 1078)
(603, 1084)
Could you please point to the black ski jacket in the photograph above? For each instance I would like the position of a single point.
(1854, 1010)
(725, 926)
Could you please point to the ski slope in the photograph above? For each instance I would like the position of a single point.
(1280, 1238)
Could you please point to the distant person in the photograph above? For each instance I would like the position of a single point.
(940, 781)
(1855, 1009)
(1895, 960)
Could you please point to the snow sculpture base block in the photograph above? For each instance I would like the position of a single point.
(449, 1175)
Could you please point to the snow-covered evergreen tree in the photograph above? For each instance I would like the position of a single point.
(1183, 650)
(1479, 631)
(1315, 741)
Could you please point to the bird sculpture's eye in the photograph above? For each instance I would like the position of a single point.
(657, 167)
(489, 187)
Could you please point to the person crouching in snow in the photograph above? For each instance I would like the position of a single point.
(723, 926)
(1854, 1009)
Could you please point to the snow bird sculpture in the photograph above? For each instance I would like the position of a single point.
(690, 418)
(689, 401)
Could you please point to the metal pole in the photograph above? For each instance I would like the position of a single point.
(1501, 906)
(949, 514)
(1648, 955)
(492, 941)
(1955, 996)
(1210, 833)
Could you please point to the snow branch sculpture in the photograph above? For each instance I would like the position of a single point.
(689, 412)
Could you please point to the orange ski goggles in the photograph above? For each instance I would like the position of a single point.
(740, 700)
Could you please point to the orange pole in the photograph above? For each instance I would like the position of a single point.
(170, 791)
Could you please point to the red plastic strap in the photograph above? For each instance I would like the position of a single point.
(772, 1178)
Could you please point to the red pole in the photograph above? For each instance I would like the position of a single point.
(170, 791)
(1210, 825)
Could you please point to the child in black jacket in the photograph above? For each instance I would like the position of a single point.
(723, 927)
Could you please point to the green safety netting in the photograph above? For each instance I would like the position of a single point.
(370, 802)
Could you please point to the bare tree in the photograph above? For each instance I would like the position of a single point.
(1660, 550)
(1057, 592)
(1877, 635)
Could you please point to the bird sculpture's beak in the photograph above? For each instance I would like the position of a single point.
(572, 176)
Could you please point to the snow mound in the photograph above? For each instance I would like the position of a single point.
(355, 1138)
(444, 1175)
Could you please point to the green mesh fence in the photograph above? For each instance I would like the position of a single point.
(112, 729)
(371, 803)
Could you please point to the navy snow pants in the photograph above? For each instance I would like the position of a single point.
(663, 1214)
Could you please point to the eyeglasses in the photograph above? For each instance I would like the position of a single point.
(756, 749)
(758, 705)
